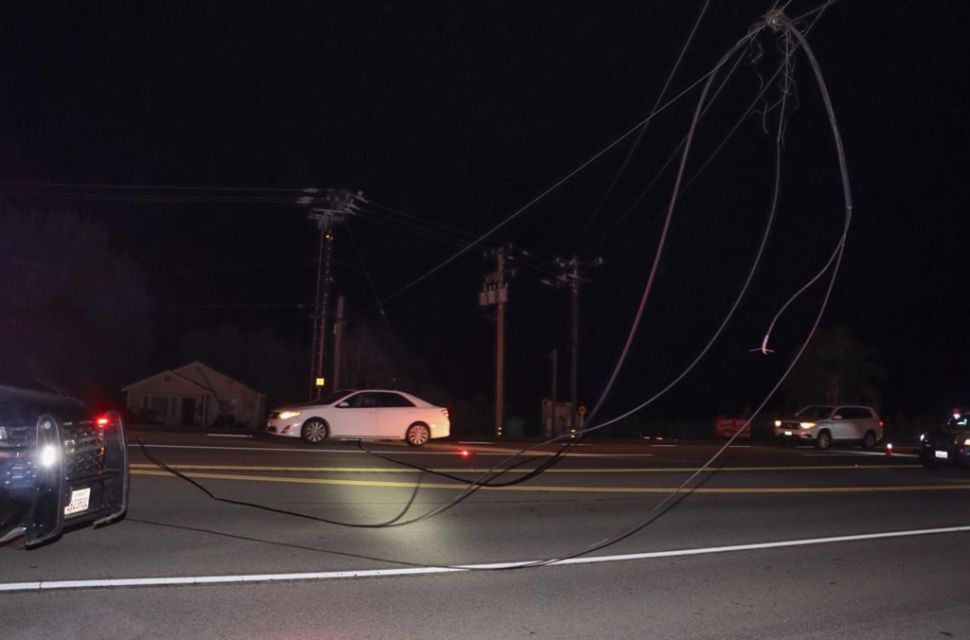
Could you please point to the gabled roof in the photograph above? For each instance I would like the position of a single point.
(203, 368)
(168, 372)
(203, 386)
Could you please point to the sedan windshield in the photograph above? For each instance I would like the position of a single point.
(816, 411)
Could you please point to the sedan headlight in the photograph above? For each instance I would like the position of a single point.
(286, 415)
(806, 425)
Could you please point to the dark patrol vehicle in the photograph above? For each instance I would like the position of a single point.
(61, 465)
(948, 445)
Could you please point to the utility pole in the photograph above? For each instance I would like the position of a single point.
(338, 342)
(555, 377)
(571, 278)
(327, 207)
(554, 426)
(496, 291)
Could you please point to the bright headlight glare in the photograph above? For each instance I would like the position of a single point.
(286, 415)
(777, 423)
(966, 442)
(48, 455)
(806, 425)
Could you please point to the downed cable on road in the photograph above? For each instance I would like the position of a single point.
(778, 22)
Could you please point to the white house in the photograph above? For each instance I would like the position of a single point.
(195, 394)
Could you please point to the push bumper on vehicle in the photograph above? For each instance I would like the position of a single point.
(60, 471)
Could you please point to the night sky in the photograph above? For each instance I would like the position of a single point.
(450, 117)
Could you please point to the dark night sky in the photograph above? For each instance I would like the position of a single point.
(457, 114)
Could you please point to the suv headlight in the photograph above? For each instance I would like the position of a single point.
(48, 455)
(806, 425)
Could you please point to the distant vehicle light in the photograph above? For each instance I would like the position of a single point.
(465, 453)
(806, 425)
(48, 456)
(777, 423)
(3, 433)
(102, 421)
(966, 442)
(286, 415)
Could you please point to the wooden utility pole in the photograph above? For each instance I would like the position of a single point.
(500, 343)
(495, 291)
(573, 341)
(574, 280)
(338, 342)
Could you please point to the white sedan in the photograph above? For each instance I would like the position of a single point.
(366, 414)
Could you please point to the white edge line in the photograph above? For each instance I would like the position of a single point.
(383, 573)
(228, 435)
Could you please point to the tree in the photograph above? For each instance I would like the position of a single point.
(371, 358)
(835, 369)
(258, 359)
(375, 358)
(76, 314)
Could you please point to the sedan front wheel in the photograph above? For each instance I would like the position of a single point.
(314, 431)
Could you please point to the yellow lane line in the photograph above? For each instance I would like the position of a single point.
(213, 467)
(458, 487)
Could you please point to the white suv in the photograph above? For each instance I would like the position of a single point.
(823, 425)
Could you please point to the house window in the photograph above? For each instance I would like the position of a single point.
(159, 406)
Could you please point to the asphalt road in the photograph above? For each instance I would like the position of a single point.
(332, 542)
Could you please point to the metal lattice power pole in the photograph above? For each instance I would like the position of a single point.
(327, 207)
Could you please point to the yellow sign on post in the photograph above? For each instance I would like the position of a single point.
(320, 382)
(582, 412)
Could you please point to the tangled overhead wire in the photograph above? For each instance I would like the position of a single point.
(793, 40)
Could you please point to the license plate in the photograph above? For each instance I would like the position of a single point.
(788, 433)
(940, 454)
(79, 501)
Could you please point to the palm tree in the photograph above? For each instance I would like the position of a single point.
(835, 369)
